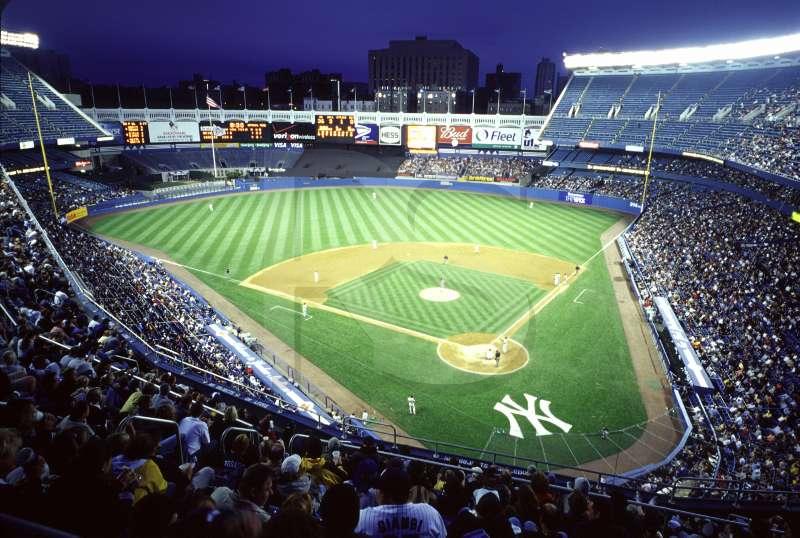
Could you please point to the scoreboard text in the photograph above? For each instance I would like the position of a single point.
(134, 133)
(237, 131)
(336, 128)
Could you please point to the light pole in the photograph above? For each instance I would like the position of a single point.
(355, 99)
(338, 94)
(453, 95)
(497, 91)
(524, 98)
(472, 91)
(194, 89)
(311, 93)
(291, 102)
(379, 95)
(269, 104)
(550, 103)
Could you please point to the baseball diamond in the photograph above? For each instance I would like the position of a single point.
(370, 330)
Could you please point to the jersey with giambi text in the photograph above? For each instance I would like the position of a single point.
(410, 520)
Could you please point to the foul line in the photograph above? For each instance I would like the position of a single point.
(576, 301)
(276, 307)
(547, 299)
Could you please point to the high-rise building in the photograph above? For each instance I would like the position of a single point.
(423, 63)
(509, 84)
(545, 76)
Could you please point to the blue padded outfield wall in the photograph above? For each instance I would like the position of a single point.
(494, 189)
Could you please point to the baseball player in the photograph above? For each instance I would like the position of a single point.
(489, 353)
(412, 405)
(374, 195)
(496, 358)
(305, 309)
(505, 345)
(211, 207)
(442, 282)
(446, 259)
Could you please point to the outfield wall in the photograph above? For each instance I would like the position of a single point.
(610, 203)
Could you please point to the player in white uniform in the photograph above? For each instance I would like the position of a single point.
(412, 405)
(490, 353)
(211, 207)
(442, 282)
(305, 309)
(374, 195)
(505, 345)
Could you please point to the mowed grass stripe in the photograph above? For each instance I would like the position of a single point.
(243, 255)
(263, 254)
(336, 234)
(206, 246)
(166, 231)
(314, 219)
(342, 216)
(151, 231)
(222, 254)
(187, 240)
(392, 208)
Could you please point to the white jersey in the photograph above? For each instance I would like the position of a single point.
(401, 521)
(412, 405)
(505, 345)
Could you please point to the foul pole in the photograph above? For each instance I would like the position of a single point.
(41, 145)
(650, 152)
(211, 126)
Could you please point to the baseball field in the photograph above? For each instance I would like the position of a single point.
(407, 289)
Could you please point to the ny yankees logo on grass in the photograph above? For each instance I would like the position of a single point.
(509, 408)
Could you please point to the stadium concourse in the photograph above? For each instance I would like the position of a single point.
(81, 449)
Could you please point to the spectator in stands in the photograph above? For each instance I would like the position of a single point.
(251, 495)
(194, 431)
(395, 511)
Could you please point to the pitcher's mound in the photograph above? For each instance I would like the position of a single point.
(468, 352)
(439, 295)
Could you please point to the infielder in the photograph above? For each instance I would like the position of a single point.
(412, 405)
(497, 358)
(505, 345)
(489, 353)
(305, 309)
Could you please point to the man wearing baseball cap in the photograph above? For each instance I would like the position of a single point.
(395, 517)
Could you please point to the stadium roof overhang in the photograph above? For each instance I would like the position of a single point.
(777, 51)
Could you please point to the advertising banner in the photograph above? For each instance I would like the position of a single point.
(390, 135)
(114, 128)
(170, 132)
(482, 179)
(421, 137)
(293, 132)
(497, 137)
(454, 135)
(366, 134)
(76, 214)
(575, 197)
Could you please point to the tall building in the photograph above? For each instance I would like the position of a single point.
(509, 84)
(545, 76)
(423, 63)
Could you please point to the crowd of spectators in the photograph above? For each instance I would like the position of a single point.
(773, 102)
(738, 298)
(776, 150)
(621, 186)
(517, 169)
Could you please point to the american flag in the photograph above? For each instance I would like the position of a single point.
(210, 102)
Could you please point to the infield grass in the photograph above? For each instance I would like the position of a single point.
(579, 358)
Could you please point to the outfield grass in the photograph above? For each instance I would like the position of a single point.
(579, 357)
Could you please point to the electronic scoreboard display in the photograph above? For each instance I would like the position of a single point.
(237, 131)
(336, 128)
(134, 133)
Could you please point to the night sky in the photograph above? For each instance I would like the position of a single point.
(161, 41)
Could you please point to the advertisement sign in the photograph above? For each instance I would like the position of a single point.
(339, 128)
(76, 214)
(170, 132)
(530, 142)
(293, 132)
(575, 197)
(421, 137)
(482, 179)
(390, 135)
(454, 135)
(366, 134)
(114, 128)
(496, 137)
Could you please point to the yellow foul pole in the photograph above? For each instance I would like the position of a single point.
(650, 153)
(41, 145)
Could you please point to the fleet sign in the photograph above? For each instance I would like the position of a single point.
(497, 137)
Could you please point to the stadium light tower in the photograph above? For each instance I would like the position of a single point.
(550, 102)
(354, 91)
(524, 98)
(291, 101)
(472, 91)
(497, 91)
(311, 93)
(338, 93)
(269, 104)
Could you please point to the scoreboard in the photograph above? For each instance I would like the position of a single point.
(336, 128)
(237, 131)
(134, 133)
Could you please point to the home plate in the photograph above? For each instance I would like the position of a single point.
(439, 295)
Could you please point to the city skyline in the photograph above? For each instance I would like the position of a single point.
(125, 45)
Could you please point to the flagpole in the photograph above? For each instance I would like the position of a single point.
(211, 125)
